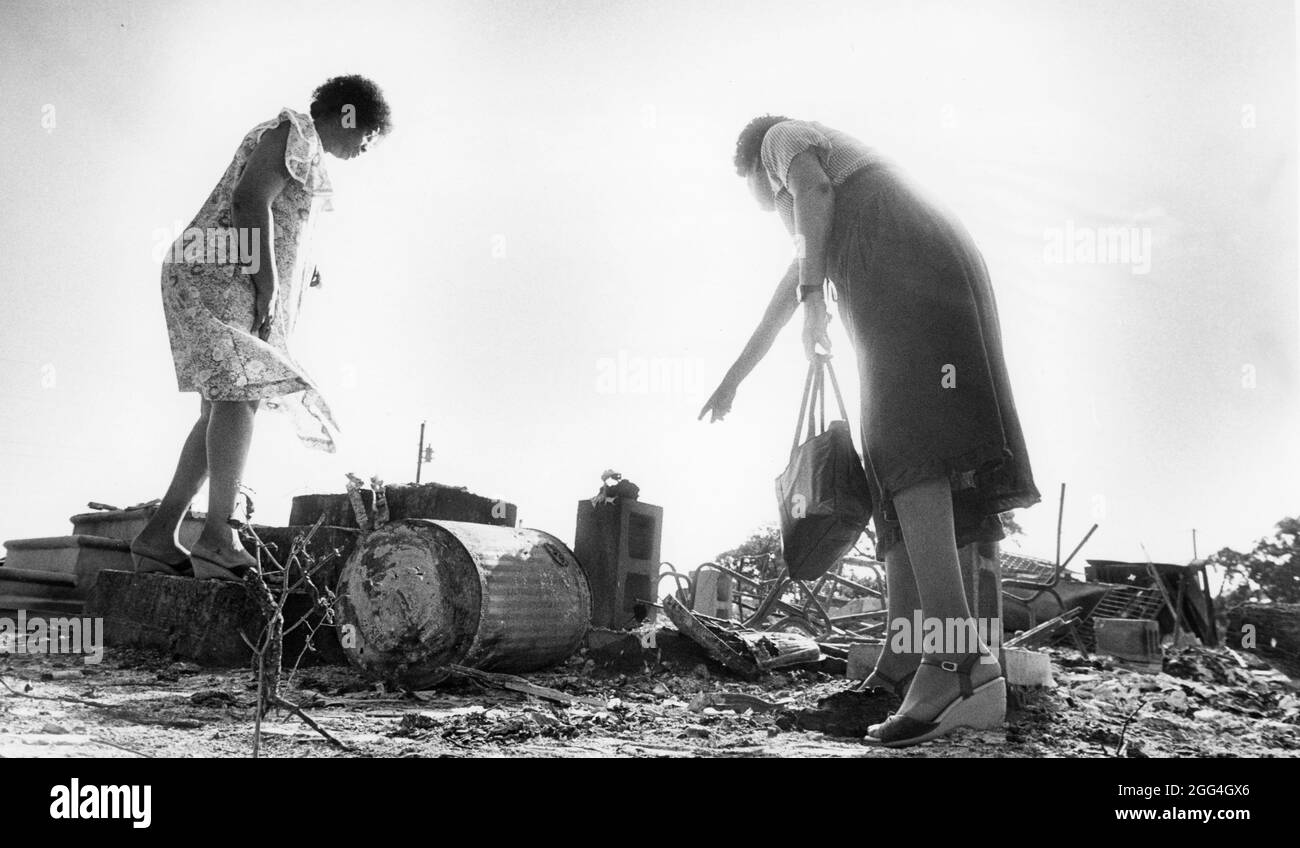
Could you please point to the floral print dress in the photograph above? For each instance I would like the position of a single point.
(208, 300)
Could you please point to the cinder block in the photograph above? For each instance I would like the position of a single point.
(862, 659)
(198, 620)
(618, 546)
(81, 556)
(126, 524)
(1023, 667)
(713, 590)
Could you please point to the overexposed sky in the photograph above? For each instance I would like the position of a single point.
(556, 216)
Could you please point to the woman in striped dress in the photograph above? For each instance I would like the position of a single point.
(941, 439)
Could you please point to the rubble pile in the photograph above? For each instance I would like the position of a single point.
(1206, 702)
(670, 701)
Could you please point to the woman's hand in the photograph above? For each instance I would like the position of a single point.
(264, 312)
(719, 403)
(815, 321)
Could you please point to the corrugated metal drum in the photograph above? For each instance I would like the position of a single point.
(418, 594)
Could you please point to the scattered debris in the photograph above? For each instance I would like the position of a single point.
(745, 652)
(850, 713)
(737, 702)
(1271, 631)
(214, 698)
(1046, 632)
(1207, 702)
(518, 684)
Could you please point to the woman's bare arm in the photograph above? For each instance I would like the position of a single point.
(779, 310)
(264, 177)
(814, 206)
(814, 202)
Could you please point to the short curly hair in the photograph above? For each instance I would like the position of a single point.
(360, 93)
(750, 142)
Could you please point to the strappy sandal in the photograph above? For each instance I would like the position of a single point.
(896, 685)
(208, 567)
(982, 707)
(145, 563)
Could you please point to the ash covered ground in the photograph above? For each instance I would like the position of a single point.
(662, 703)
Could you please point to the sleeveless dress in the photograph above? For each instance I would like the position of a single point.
(915, 297)
(208, 301)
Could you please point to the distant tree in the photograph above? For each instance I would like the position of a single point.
(1268, 572)
(765, 541)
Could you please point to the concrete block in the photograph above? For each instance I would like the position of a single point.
(81, 556)
(713, 591)
(1026, 668)
(125, 524)
(197, 620)
(618, 546)
(862, 659)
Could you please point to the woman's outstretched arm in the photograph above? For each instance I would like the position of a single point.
(264, 177)
(814, 203)
(778, 313)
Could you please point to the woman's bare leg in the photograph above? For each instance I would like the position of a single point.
(925, 513)
(160, 535)
(230, 432)
(903, 601)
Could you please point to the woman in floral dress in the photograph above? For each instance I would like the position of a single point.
(232, 286)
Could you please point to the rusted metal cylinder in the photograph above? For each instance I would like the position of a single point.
(417, 595)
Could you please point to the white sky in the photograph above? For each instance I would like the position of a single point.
(558, 193)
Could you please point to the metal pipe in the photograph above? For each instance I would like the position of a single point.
(419, 456)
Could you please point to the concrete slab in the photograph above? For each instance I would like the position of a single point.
(81, 556)
(126, 524)
(44, 592)
(197, 620)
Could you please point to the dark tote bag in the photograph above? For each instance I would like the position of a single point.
(823, 496)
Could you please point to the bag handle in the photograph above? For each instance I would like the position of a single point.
(803, 405)
(814, 399)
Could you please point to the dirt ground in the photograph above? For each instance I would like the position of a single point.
(1207, 703)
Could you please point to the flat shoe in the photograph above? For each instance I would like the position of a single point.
(981, 708)
(209, 567)
(146, 564)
